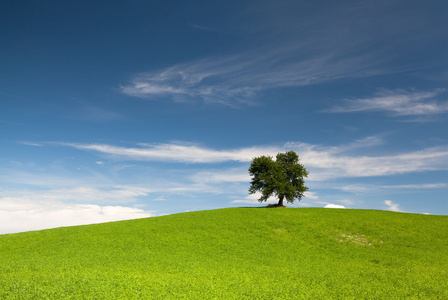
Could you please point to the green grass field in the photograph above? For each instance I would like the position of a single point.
(236, 253)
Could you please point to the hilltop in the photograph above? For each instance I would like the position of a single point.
(235, 253)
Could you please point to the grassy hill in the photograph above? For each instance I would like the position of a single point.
(236, 253)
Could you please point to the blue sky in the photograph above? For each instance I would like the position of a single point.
(114, 110)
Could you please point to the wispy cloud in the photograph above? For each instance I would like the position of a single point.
(296, 47)
(93, 113)
(222, 176)
(311, 195)
(253, 199)
(187, 153)
(397, 102)
(192, 153)
(30, 144)
(371, 188)
(82, 194)
(329, 164)
(237, 79)
(323, 161)
(416, 186)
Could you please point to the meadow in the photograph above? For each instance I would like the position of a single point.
(234, 253)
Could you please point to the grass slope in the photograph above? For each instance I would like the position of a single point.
(236, 253)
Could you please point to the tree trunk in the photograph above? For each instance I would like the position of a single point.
(280, 201)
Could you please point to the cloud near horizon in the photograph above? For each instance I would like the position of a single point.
(334, 206)
(392, 206)
(21, 214)
(253, 199)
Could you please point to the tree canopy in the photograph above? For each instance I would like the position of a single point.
(282, 177)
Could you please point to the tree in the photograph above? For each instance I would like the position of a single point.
(282, 177)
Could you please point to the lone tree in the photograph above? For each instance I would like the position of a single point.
(282, 177)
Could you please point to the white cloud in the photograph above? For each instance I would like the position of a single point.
(97, 114)
(392, 206)
(330, 164)
(19, 215)
(416, 186)
(30, 144)
(83, 194)
(398, 102)
(311, 195)
(323, 161)
(356, 188)
(253, 199)
(340, 41)
(237, 79)
(367, 142)
(366, 188)
(346, 202)
(223, 176)
(178, 152)
(334, 206)
(334, 41)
